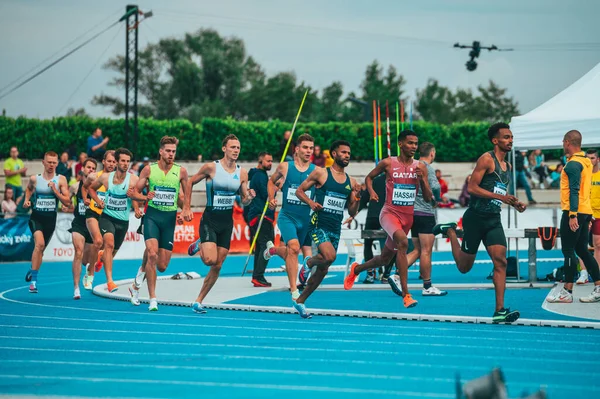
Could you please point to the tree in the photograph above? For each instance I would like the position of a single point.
(436, 103)
(77, 112)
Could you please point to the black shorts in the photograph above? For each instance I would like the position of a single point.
(481, 227)
(116, 227)
(78, 226)
(45, 224)
(160, 225)
(422, 225)
(216, 228)
(91, 214)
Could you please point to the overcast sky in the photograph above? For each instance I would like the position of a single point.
(320, 40)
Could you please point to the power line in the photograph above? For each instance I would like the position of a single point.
(89, 72)
(57, 61)
(59, 50)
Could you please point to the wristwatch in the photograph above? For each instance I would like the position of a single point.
(573, 216)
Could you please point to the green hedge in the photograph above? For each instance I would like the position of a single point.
(459, 142)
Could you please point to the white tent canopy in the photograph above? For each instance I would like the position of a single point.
(576, 107)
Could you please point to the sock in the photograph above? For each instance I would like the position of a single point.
(427, 284)
(34, 274)
(295, 294)
(569, 291)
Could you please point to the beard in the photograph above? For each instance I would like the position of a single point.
(341, 163)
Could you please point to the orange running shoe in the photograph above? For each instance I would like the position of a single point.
(349, 280)
(112, 287)
(409, 302)
(99, 263)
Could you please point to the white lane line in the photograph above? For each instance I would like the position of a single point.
(310, 349)
(557, 337)
(289, 388)
(363, 363)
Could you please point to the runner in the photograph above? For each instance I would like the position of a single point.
(575, 188)
(481, 221)
(404, 177)
(334, 190)
(82, 240)
(164, 179)
(224, 180)
(47, 187)
(293, 220)
(422, 228)
(117, 204)
(92, 216)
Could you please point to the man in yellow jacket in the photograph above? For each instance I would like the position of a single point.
(575, 189)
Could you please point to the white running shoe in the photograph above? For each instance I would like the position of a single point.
(593, 297)
(135, 295)
(88, 282)
(77, 294)
(153, 307)
(139, 278)
(583, 278)
(563, 296)
(394, 282)
(434, 291)
(266, 254)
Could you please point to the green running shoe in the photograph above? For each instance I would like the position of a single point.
(505, 315)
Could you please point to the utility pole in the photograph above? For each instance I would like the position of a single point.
(131, 77)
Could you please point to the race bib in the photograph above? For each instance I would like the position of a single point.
(499, 188)
(45, 203)
(164, 196)
(81, 207)
(292, 199)
(334, 202)
(404, 194)
(117, 203)
(223, 201)
(101, 195)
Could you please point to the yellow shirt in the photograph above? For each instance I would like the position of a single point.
(585, 184)
(595, 194)
(102, 190)
(11, 164)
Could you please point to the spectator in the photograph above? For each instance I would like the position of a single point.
(520, 170)
(318, 157)
(284, 140)
(465, 197)
(328, 160)
(79, 164)
(64, 166)
(9, 206)
(258, 183)
(446, 202)
(443, 184)
(96, 145)
(14, 168)
(555, 176)
(537, 164)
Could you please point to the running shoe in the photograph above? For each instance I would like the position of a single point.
(409, 302)
(434, 291)
(194, 248)
(563, 296)
(304, 272)
(111, 286)
(99, 263)
(261, 282)
(505, 316)
(301, 309)
(394, 282)
(135, 295)
(583, 278)
(267, 253)
(139, 278)
(28, 276)
(77, 294)
(33, 288)
(351, 277)
(88, 282)
(153, 307)
(443, 228)
(593, 297)
(370, 279)
(198, 308)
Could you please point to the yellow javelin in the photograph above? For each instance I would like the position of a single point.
(287, 145)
